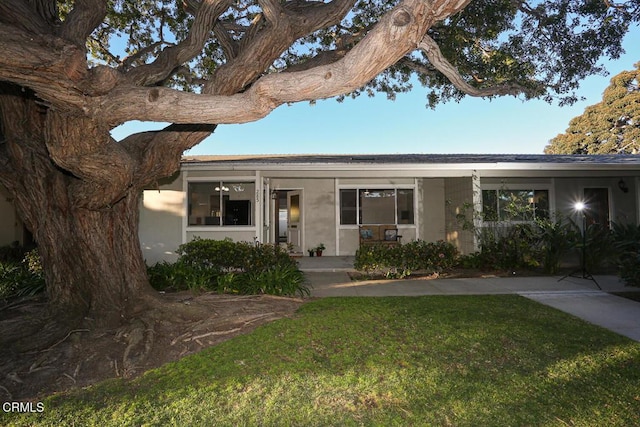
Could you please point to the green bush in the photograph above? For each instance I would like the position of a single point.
(219, 255)
(179, 276)
(555, 239)
(626, 238)
(225, 266)
(21, 278)
(399, 261)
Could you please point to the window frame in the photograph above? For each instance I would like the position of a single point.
(222, 181)
(358, 188)
(524, 186)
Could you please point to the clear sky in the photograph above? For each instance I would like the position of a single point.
(376, 125)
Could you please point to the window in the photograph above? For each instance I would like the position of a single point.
(515, 205)
(221, 203)
(376, 206)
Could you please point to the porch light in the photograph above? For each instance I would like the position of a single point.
(579, 206)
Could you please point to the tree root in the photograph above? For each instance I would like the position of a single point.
(139, 338)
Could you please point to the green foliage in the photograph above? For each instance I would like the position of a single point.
(511, 245)
(21, 278)
(218, 255)
(398, 261)
(498, 360)
(626, 239)
(610, 126)
(165, 276)
(543, 47)
(225, 266)
(555, 238)
(600, 251)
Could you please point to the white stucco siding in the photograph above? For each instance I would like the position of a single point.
(161, 219)
(458, 194)
(432, 214)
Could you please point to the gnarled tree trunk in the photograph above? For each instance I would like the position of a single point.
(87, 234)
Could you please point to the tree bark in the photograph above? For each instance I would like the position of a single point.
(92, 259)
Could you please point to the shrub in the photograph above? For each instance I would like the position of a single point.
(600, 251)
(21, 278)
(399, 261)
(277, 280)
(556, 239)
(225, 266)
(508, 247)
(219, 255)
(626, 238)
(179, 276)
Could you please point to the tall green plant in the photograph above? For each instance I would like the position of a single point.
(556, 239)
(626, 239)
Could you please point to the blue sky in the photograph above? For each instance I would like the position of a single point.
(376, 125)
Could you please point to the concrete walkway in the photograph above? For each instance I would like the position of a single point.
(580, 297)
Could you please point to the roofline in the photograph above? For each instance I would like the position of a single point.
(435, 163)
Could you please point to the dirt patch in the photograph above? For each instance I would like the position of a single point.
(87, 355)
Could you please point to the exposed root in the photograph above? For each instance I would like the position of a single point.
(83, 353)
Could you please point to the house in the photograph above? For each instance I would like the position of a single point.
(305, 200)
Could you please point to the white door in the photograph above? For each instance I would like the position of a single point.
(294, 220)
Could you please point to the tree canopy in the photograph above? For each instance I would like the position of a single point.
(611, 126)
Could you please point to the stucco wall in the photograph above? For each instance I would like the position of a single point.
(432, 212)
(458, 194)
(318, 210)
(161, 218)
(622, 206)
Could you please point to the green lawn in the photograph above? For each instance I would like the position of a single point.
(437, 360)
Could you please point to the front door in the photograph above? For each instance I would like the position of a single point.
(294, 220)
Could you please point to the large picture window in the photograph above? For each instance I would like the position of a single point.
(515, 205)
(221, 203)
(376, 206)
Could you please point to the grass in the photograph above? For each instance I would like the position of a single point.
(437, 360)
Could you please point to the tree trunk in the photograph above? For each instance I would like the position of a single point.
(87, 233)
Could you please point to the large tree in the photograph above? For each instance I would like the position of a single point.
(70, 71)
(610, 126)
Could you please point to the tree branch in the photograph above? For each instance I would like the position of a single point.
(174, 56)
(432, 50)
(19, 14)
(397, 33)
(264, 43)
(85, 17)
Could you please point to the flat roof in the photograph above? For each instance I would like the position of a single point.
(415, 159)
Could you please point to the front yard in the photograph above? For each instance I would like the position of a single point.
(438, 360)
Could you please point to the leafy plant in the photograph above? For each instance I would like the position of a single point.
(626, 238)
(556, 238)
(225, 266)
(283, 280)
(398, 261)
(22, 279)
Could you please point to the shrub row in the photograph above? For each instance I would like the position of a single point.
(399, 261)
(225, 266)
